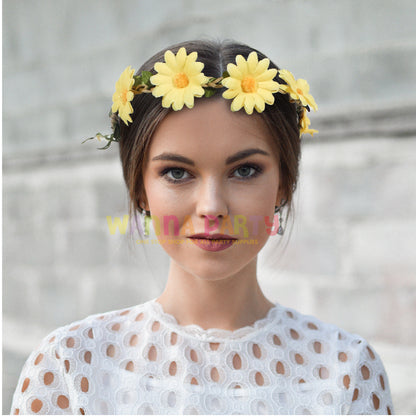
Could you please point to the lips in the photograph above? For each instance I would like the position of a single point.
(213, 242)
(212, 236)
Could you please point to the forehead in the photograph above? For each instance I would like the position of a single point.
(211, 127)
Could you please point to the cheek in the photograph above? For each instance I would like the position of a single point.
(159, 197)
(167, 209)
(257, 205)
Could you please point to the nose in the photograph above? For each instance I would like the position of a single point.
(211, 200)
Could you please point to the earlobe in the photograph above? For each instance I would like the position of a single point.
(143, 205)
(281, 199)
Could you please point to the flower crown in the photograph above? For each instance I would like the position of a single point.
(180, 79)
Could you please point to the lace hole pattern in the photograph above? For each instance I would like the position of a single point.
(139, 360)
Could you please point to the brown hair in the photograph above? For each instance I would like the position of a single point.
(281, 119)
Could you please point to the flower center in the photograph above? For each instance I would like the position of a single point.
(249, 84)
(180, 80)
(126, 96)
(299, 91)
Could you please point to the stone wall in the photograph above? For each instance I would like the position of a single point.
(350, 259)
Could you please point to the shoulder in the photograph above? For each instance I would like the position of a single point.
(300, 326)
(331, 353)
(321, 343)
(64, 360)
(90, 332)
(303, 327)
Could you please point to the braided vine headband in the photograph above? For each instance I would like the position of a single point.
(180, 78)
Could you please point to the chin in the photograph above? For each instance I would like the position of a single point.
(217, 265)
(213, 269)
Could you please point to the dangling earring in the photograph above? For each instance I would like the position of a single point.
(145, 223)
(278, 210)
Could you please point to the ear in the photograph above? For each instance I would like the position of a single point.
(280, 197)
(142, 202)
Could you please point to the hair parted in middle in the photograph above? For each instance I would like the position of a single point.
(280, 118)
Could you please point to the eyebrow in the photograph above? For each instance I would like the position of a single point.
(231, 159)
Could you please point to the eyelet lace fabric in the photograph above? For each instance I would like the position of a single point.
(141, 361)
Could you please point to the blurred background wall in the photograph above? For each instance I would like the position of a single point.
(351, 256)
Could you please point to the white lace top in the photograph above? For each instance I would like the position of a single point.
(141, 361)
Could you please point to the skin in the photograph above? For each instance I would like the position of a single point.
(212, 289)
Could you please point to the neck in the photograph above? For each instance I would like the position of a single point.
(224, 303)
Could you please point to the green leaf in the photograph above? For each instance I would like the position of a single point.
(146, 78)
(209, 92)
(116, 134)
(89, 138)
(225, 74)
(137, 81)
(106, 146)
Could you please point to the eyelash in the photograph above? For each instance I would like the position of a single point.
(257, 170)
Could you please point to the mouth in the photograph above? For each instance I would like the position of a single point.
(213, 242)
(212, 236)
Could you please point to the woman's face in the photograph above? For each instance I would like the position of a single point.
(212, 173)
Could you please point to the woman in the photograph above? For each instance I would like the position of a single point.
(215, 181)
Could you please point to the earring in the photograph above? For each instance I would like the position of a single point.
(278, 210)
(144, 221)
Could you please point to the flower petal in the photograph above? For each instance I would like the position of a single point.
(311, 102)
(287, 76)
(114, 107)
(129, 95)
(285, 88)
(162, 69)
(193, 68)
(125, 111)
(181, 58)
(267, 96)
(168, 98)
(170, 60)
(267, 75)
(259, 103)
(303, 85)
(160, 79)
(249, 103)
(234, 72)
(191, 58)
(161, 90)
(229, 94)
(272, 86)
(200, 79)
(252, 62)
(241, 64)
(188, 98)
(232, 83)
(197, 91)
(237, 103)
(178, 100)
(262, 66)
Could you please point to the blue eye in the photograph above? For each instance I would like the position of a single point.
(247, 171)
(175, 174)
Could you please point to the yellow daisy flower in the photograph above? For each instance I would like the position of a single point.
(123, 95)
(250, 83)
(305, 123)
(297, 89)
(179, 79)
